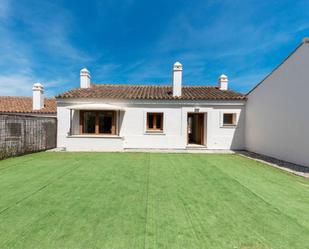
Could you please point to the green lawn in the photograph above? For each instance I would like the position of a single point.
(149, 200)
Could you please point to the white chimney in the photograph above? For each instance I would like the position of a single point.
(223, 82)
(84, 78)
(37, 96)
(177, 79)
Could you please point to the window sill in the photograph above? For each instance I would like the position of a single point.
(228, 126)
(94, 136)
(154, 133)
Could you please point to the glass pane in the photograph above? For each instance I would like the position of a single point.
(89, 122)
(105, 122)
(150, 120)
(228, 118)
(159, 121)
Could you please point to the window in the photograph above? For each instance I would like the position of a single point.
(229, 119)
(98, 122)
(89, 122)
(14, 130)
(106, 122)
(154, 121)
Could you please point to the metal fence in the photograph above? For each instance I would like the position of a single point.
(22, 134)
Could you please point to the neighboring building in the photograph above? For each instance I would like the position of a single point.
(27, 124)
(118, 117)
(34, 106)
(277, 110)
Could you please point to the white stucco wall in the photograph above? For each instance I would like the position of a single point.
(220, 137)
(81, 143)
(132, 126)
(277, 111)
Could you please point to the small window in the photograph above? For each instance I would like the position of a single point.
(14, 130)
(229, 119)
(154, 121)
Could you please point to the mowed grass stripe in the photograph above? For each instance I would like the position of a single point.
(182, 185)
(31, 211)
(168, 226)
(24, 179)
(208, 206)
(265, 218)
(274, 186)
(98, 205)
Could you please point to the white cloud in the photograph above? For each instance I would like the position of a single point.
(246, 80)
(15, 85)
(49, 38)
(4, 9)
(21, 85)
(51, 32)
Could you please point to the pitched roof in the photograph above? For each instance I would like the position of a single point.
(24, 105)
(155, 92)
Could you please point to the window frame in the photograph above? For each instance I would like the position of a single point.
(155, 129)
(234, 119)
(9, 133)
(114, 130)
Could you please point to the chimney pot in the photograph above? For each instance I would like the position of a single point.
(37, 96)
(84, 78)
(177, 79)
(223, 82)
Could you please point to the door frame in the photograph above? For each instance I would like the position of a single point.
(201, 124)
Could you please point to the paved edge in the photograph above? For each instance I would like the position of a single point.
(295, 169)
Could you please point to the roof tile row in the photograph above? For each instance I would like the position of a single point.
(155, 92)
(14, 104)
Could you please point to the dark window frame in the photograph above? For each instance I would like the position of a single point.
(233, 119)
(97, 129)
(154, 127)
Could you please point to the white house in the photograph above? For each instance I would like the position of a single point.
(277, 110)
(100, 117)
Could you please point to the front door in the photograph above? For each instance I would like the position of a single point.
(196, 128)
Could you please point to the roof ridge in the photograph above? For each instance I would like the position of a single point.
(196, 86)
(129, 84)
(147, 85)
(15, 97)
(28, 97)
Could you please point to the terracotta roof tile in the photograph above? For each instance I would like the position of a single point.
(24, 105)
(158, 92)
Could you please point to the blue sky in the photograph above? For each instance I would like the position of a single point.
(138, 41)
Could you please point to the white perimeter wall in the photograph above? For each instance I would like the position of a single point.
(277, 111)
(132, 127)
